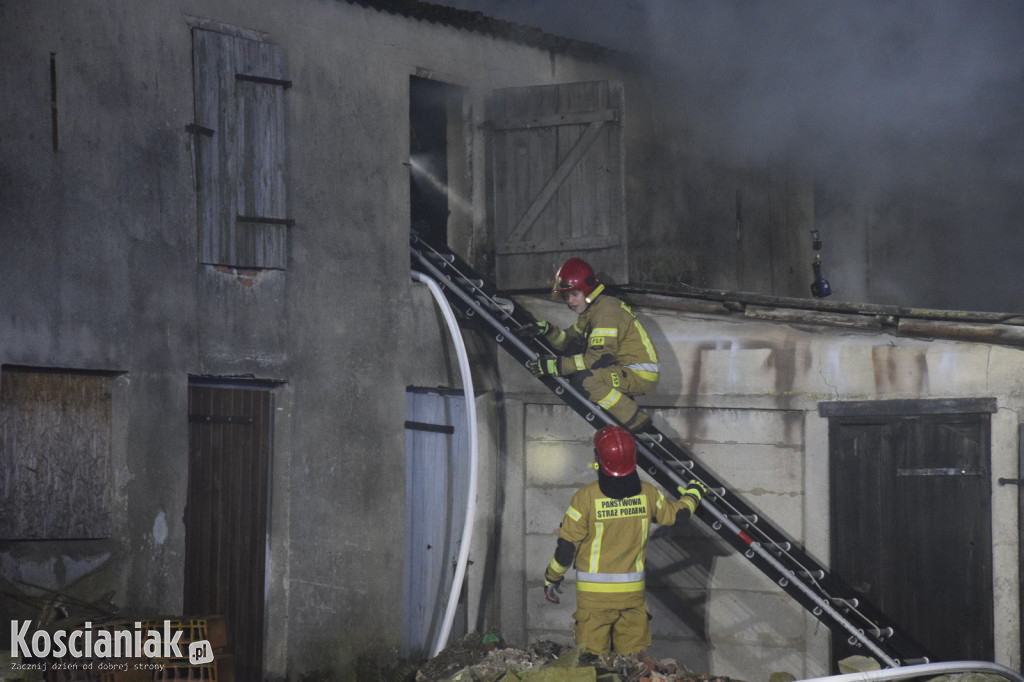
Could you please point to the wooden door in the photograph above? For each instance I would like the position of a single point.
(436, 481)
(911, 525)
(226, 515)
(557, 181)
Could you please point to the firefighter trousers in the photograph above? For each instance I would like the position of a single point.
(613, 389)
(624, 631)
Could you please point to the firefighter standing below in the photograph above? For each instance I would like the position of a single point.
(606, 354)
(605, 532)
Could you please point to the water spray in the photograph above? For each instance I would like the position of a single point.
(419, 168)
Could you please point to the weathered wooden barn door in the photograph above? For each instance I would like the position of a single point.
(436, 481)
(911, 519)
(226, 516)
(557, 181)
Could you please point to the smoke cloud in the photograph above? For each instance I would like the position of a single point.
(873, 92)
(912, 108)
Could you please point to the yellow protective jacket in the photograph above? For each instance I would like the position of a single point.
(608, 327)
(610, 541)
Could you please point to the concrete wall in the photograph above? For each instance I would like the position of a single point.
(744, 395)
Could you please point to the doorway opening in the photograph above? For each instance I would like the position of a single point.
(437, 168)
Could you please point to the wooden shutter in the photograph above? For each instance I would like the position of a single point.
(557, 173)
(240, 150)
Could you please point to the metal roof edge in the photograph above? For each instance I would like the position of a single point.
(478, 22)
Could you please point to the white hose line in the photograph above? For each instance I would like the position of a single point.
(925, 670)
(467, 388)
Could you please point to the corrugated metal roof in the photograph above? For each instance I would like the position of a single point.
(478, 22)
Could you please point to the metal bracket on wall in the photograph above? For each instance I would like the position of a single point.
(263, 80)
(215, 419)
(1011, 481)
(196, 129)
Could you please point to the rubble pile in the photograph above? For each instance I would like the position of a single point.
(476, 658)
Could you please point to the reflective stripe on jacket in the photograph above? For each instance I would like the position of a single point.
(607, 327)
(610, 537)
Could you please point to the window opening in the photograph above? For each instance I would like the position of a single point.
(428, 157)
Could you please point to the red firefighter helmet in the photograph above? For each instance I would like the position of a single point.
(616, 451)
(576, 273)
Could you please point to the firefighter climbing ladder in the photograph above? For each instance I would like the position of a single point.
(827, 597)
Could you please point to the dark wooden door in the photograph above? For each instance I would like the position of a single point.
(226, 516)
(911, 526)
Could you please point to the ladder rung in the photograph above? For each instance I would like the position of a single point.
(817, 575)
(503, 304)
(879, 632)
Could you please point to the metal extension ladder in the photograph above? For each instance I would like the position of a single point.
(671, 464)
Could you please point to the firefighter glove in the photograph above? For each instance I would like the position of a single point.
(543, 367)
(552, 590)
(533, 329)
(694, 488)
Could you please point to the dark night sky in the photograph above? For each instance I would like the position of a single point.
(886, 99)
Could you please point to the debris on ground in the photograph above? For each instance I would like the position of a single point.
(485, 658)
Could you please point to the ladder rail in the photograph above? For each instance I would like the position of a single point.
(813, 575)
(804, 580)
